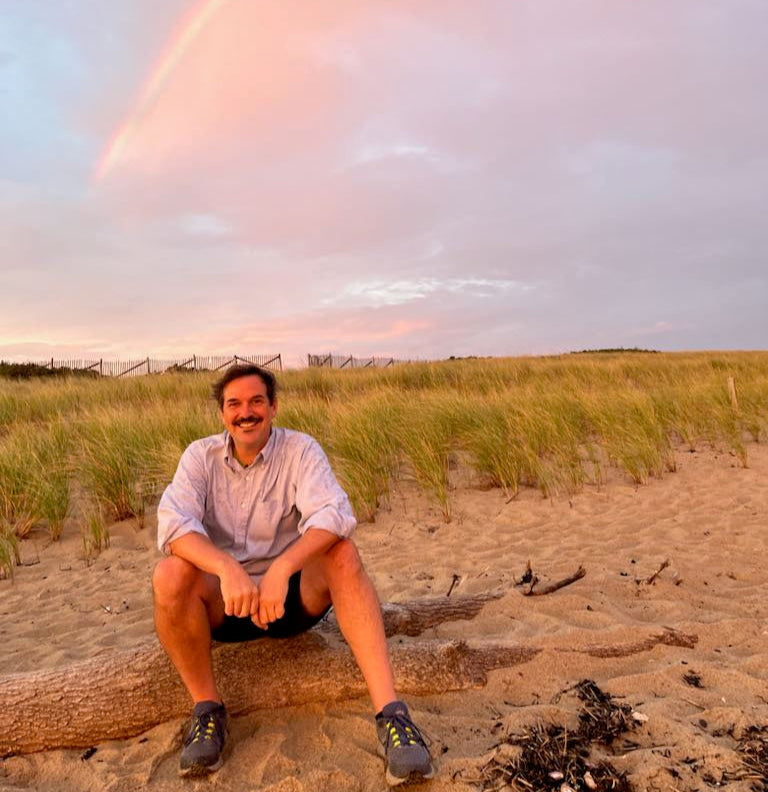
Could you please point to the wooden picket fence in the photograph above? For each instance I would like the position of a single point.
(344, 361)
(132, 368)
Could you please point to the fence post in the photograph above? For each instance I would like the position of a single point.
(101, 367)
(194, 363)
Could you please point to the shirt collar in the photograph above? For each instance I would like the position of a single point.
(269, 446)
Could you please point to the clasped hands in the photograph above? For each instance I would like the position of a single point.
(263, 602)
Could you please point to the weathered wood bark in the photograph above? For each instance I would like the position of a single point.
(128, 692)
(412, 618)
(125, 693)
(131, 691)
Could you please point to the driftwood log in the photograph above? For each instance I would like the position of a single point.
(128, 692)
(125, 693)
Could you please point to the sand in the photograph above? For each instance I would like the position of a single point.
(708, 518)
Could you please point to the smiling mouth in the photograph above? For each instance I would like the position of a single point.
(247, 423)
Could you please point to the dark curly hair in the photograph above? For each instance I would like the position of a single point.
(244, 370)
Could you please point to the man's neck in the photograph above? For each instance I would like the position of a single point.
(246, 455)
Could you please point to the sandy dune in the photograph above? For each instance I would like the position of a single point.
(709, 518)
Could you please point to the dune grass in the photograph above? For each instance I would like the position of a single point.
(9, 551)
(553, 423)
(94, 532)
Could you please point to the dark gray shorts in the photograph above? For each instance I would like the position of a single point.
(295, 620)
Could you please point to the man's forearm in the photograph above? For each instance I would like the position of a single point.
(238, 591)
(312, 544)
(274, 585)
(203, 553)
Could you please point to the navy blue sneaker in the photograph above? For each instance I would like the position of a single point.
(403, 745)
(204, 741)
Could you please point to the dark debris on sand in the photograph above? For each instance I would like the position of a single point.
(553, 758)
(753, 748)
(693, 679)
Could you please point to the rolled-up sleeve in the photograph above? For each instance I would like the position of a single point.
(320, 499)
(182, 506)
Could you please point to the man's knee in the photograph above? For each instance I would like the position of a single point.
(174, 578)
(342, 560)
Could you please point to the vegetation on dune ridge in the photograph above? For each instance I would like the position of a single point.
(553, 423)
(25, 371)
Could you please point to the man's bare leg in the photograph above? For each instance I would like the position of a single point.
(340, 576)
(187, 602)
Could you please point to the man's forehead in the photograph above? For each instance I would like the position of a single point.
(252, 385)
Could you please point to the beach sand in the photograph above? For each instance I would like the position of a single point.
(708, 518)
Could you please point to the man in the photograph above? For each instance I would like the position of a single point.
(256, 531)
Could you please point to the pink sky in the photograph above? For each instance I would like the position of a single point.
(416, 180)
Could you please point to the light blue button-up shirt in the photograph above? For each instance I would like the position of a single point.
(253, 513)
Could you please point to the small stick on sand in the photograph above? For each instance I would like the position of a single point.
(653, 577)
(456, 579)
(548, 589)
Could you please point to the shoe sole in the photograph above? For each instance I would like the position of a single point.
(198, 771)
(415, 776)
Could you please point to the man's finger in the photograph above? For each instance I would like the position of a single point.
(257, 619)
(230, 606)
(258, 622)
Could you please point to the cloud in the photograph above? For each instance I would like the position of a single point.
(380, 292)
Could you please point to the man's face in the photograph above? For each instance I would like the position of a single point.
(248, 415)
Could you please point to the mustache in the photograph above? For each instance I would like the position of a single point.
(241, 421)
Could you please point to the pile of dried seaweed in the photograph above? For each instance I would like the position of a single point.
(753, 747)
(552, 757)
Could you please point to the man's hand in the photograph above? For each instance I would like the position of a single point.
(239, 592)
(273, 590)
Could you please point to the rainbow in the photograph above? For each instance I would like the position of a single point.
(199, 18)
